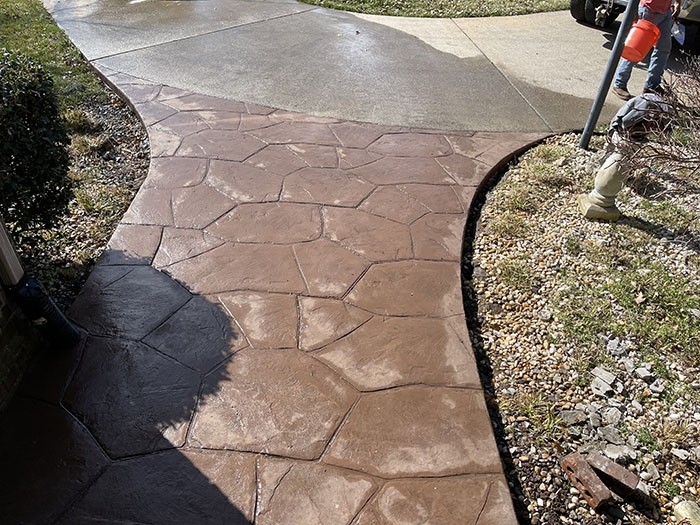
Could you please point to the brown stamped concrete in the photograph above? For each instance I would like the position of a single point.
(275, 334)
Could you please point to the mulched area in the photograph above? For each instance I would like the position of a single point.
(560, 306)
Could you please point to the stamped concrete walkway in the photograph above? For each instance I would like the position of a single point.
(275, 334)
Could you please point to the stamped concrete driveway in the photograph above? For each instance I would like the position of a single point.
(526, 73)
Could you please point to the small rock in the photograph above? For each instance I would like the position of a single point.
(615, 452)
(637, 407)
(619, 387)
(545, 315)
(610, 434)
(657, 386)
(644, 374)
(574, 431)
(594, 419)
(573, 417)
(645, 476)
(628, 364)
(601, 388)
(680, 453)
(653, 472)
(604, 374)
(688, 511)
(612, 416)
(695, 313)
(696, 452)
(615, 348)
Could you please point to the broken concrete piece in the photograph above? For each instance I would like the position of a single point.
(573, 417)
(586, 480)
(611, 434)
(604, 374)
(687, 513)
(617, 477)
(644, 374)
(601, 388)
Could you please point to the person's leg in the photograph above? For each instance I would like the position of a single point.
(662, 50)
(624, 71)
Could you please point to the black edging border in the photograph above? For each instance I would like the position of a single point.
(470, 304)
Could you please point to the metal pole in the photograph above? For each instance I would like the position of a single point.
(630, 15)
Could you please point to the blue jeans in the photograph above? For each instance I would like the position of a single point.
(659, 57)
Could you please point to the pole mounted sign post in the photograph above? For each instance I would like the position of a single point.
(627, 20)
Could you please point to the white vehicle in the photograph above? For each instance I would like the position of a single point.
(602, 13)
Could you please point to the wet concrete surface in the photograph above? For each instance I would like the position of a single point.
(528, 73)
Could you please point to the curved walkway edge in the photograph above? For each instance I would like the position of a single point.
(275, 333)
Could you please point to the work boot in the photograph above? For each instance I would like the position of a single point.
(621, 93)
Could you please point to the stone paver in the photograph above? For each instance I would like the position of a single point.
(275, 333)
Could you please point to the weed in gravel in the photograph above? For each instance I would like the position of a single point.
(646, 438)
(78, 121)
(510, 225)
(573, 244)
(644, 302)
(541, 414)
(670, 488)
(671, 216)
(520, 198)
(516, 273)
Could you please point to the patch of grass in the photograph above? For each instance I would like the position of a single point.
(78, 121)
(587, 360)
(444, 8)
(541, 414)
(521, 198)
(670, 215)
(646, 438)
(548, 153)
(26, 26)
(509, 225)
(670, 488)
(643, 301)
(516, 273)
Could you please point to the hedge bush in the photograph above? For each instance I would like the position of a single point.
(34, 186)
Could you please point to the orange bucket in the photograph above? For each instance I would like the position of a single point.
(641, 38)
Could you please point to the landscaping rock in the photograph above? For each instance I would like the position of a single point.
(612, 416)
(604, 375)
(657, 386)
(687, 513)
(601, 388)
(680, 453)
(573, 417)
(611, 434)
(644, 374)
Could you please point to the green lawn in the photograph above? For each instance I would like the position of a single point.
(444, 8)
(26, 26)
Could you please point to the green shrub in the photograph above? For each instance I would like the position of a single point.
(34, 187)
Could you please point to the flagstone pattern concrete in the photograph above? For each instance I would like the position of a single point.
(282, 303)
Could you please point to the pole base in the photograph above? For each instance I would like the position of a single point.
(594, 211)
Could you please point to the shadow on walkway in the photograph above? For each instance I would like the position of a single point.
(94, 433)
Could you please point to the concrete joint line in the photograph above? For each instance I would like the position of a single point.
(544, 120)
(206, 33)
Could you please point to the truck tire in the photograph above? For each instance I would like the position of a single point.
(589, 13)
(578, 9)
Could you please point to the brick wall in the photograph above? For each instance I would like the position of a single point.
(17, 343)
